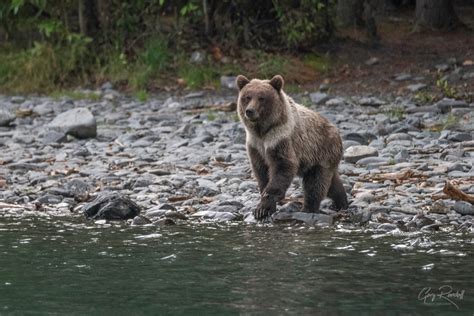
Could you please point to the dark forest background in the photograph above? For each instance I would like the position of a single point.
(148, 45)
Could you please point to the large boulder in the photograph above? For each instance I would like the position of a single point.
(112, 206)
(77, 122)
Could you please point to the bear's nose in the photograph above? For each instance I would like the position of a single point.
(250, 113)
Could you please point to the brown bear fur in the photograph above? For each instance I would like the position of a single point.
(285, 139)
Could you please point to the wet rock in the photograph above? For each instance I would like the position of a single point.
(164, 222)
(464, 208)
(111, 206)
(6, 117)
(77, 122)
(311, 219)
(140, 220)
(387, 227)
(355, 153)
(207, 188)
(78, 189)
(335, 102)
(217, 216)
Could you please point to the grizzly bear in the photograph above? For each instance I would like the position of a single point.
(285, 139)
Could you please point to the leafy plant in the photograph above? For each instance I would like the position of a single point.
(447, 90)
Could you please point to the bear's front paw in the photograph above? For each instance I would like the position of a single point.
(265, 207)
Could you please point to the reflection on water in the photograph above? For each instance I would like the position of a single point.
(59, 266)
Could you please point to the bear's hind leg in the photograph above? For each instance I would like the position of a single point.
(337, 193)
(316, 183)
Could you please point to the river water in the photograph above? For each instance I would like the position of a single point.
(69, 266)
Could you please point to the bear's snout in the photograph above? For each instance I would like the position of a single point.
(250, 114)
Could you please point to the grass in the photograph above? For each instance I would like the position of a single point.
(142, 95)
(75, 95)
(396, 112)
(198, 76)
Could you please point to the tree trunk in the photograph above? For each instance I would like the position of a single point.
(436, 14)
(350, 13)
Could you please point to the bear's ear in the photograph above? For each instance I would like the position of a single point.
(277, 82)
(241, 81)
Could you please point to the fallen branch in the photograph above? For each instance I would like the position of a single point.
(228, 107)
(456, 194)
(398, 177)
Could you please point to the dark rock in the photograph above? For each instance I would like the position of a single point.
(77, 122)
(164, 222)
(140, 220)
(112, 206)
(78, 189)
(464, 208)
(50, 199)
(54, 137)
(371, 101)
(446, 104)
(460, 136)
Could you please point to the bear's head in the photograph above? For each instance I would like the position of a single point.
(261, 102)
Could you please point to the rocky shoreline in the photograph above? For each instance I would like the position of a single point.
(182, 159)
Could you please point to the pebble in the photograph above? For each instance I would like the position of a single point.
(78, 122)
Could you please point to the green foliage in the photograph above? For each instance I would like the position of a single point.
(141, 95)
(451, 121)
(305, 24)
(397, 112)
(424, 97)
(75, 95)
(271, 66)
(318, 62)
(447, 90)
(196, 76)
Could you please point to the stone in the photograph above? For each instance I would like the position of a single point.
(217, 216)
(111, 206)
(387, 227)
(371, 101)
(78, 122)
(403, 77)
(355, 153)
(54, 137)
(372, 61)
(140, 220)
(445, 105)
(6, 117)
(197, 57)
(464, 208)
(335, 102)
(416, 87)
(311, 219)
(318, 97)
(373, 161)
(459, 136)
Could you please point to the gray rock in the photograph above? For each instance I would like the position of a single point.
(460, 137)
(372, 61)
(335, 102)
(311, 219)
(318, 97)
(217, 216)
(6, 117)
(373, 161)
(403, 77)
(52, 136)
(197, 57)
(445, 105)
(355, 153)
(398, 136)
(207, 188)
(107, 86)
(112, 206)
(371, 101)
(416, 87)
(140, 220)
(387, 227)
(464, 208)
(402, 156)
(77, 122)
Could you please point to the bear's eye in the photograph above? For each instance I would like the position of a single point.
(261, 99)
(247, 98)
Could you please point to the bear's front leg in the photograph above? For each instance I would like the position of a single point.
(282, 167)
(259, 168)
